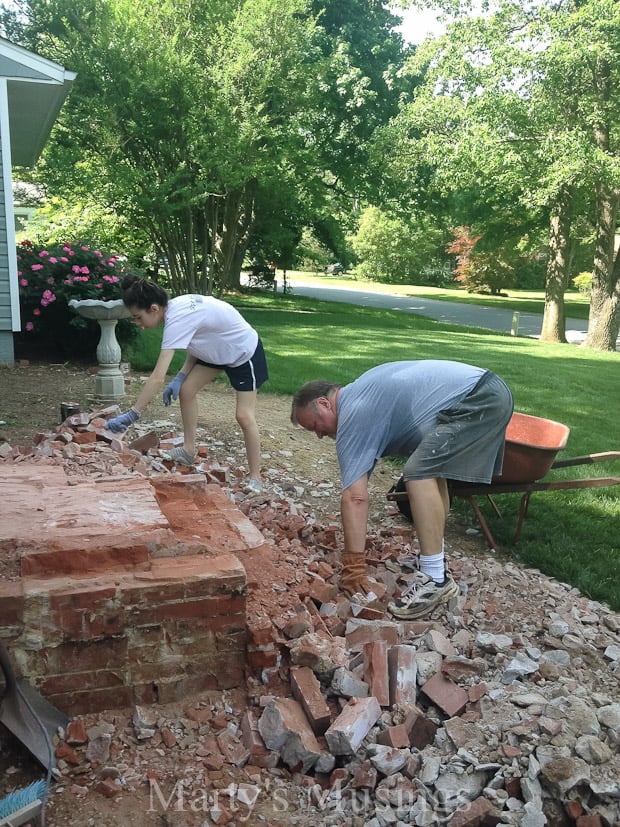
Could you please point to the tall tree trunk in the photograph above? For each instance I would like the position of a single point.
(604, 320)
(554, 321)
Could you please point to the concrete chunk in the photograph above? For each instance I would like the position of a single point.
(346, 734)
(345, 683)
(285, 728)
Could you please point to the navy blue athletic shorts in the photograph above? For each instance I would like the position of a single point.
(246, 377)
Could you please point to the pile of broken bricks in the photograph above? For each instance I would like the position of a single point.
(501, 709)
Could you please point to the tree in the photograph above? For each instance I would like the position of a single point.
(181, 113)
(523, 105)
(391, 249)
(190, 119)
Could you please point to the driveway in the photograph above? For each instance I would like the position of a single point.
(530, 324)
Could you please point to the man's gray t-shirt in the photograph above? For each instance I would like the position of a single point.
(388, 410)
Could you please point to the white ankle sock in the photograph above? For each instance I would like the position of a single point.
(433, 565)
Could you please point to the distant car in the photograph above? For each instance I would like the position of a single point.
(335, 269)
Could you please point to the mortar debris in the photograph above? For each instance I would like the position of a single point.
(500, 708)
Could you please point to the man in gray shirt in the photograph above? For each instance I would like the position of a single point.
(448, 418)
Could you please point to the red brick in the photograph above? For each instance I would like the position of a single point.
(394, 736)
(307, 690)
(360, 632)
(11, 604)
(376, 671)
(472, 815)
(145, 443)
(590, 820)
(251, 737)
(574, 809)
(84, 437)
(475, 692)
(232, 748)
(264, 657)
(76, 681)
(402, 671)
(260, 634)
(320, 591)
(92, 700)
(420, 728)
(445, 694)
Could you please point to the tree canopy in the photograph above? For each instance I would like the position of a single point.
(200, 122)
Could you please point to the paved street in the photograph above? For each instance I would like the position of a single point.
(530, 324)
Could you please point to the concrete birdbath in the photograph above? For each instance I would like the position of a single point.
(109, 382)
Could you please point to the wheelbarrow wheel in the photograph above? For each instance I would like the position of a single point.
(402, 504)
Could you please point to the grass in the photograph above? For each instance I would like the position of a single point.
(570, 535)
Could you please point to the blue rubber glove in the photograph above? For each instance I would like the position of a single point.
(171, 391)
(122, 422)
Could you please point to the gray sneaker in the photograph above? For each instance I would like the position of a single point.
(180, 456)
(422, 595)
(253, 486)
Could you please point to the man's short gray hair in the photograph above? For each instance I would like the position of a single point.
(309, 393)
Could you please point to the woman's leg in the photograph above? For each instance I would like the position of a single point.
(246, 417)
(198, 377)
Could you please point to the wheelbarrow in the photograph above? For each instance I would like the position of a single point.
(532, 444)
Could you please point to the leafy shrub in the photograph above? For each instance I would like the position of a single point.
(391, 249)
(484, 272)
(583, 282)
(49, 277)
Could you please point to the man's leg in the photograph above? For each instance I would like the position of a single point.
(246, 417)
(430, 503)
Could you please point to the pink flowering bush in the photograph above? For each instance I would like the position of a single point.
(49, 277)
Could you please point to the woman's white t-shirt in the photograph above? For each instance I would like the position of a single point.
(209, 329)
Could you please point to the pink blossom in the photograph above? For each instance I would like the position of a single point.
(64, 259)
(66, 247)
(23, 282)
(43, 253)
(36, 312)
(99, 286)
(48, 297)
(97, 253)
(53, 260)
(84, 270)
(69, 281)
(85, 248)
(50, 280)
(76, 268)
(29, 326)
(71, 252)
(36, 267)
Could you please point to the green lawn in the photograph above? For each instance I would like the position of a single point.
(573, 535)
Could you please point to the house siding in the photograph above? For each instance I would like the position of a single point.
(7, 352)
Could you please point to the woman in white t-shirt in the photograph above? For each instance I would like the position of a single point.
(217, 338)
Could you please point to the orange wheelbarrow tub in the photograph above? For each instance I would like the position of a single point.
(532, 444)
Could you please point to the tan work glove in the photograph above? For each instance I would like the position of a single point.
(353, 577)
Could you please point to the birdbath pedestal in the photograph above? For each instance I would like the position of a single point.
(109, 382)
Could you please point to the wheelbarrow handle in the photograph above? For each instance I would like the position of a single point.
(586, 459)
